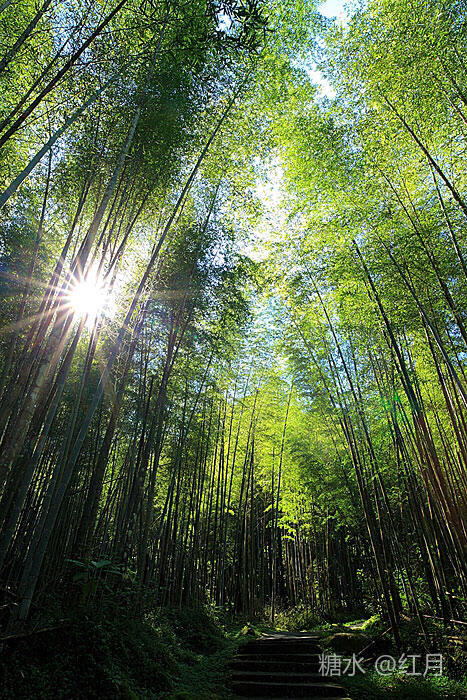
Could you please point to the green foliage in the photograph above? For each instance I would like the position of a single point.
(285, 436)
(297, 619)
(249, 630)
(108, 652)
(372, 686)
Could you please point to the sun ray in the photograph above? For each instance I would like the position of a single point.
(89, 296)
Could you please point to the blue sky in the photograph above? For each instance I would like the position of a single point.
(269, 189)
(333, 8)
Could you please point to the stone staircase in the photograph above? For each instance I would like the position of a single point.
(282, 666)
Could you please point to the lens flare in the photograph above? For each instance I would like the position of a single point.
(88, 297)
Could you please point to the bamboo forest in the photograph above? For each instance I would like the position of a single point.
(233, 349)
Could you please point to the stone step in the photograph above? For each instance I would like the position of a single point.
(281, 647)
(287, 640)
(282, 666)
(300, 663)
(277, 676)
(304, 658)
(255, 689)
(295, 637)
(287, 697)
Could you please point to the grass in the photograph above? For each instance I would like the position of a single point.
(372, 686)
(105, 652)
(358, 633)
(166, 654)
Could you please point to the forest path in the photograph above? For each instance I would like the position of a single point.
(282, 665)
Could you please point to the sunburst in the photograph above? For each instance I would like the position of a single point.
(89, 296)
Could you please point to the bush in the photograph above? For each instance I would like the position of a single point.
(111, 655)
(298, 618)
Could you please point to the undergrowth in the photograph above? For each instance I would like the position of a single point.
(372, 686)
(112, 654)
(344, 635)
(106, 651)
